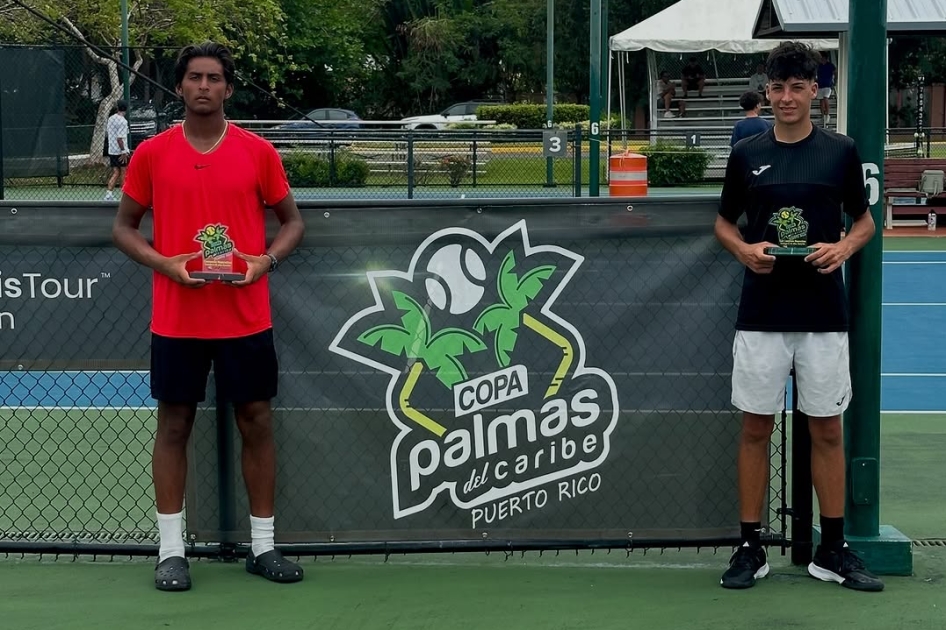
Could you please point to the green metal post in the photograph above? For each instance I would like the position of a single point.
(605, 71)
(885, 549)
(125, 56)
(866, 86)
(549, 81)
(594, 95)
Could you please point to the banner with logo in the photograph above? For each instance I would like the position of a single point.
(479, 371)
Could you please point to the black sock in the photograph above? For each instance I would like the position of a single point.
(832, 531)
(751, 533)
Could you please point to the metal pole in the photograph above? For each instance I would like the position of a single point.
(868, 37)
(605, 76)
(226, 475)
(549, 81)
(802, 490)
(1, 140)
(594, 95)
(126, 88)
(920, 115)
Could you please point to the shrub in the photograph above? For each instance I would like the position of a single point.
(351, 171)
(307, 170)
(614, 123)
(532, 115)
(673, 164)
(456, 167)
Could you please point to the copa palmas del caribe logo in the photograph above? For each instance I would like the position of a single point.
(489, 387)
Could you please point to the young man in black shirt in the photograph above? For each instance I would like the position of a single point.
(793, 182)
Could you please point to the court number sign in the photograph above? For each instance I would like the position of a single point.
(871, 171)
(554, 143)
(694, 140)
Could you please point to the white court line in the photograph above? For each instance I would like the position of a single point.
(913, 374)
(914, 262)
(897, 252)
(916, 413)
(914, 304)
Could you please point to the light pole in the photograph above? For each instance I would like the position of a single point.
(126, 95)
(594, 97)
(549, 80)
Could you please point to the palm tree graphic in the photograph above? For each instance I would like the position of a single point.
(504, 318)
(440, 352)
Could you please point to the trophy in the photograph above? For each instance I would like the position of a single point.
(217, 255)
(792, 233)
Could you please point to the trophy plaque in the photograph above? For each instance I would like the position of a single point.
(216, 255)
(792, 233)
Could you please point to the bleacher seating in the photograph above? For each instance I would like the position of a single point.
(714, 116)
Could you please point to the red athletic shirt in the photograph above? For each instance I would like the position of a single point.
(189, 191)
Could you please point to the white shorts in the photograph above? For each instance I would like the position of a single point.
(824, 93)
(762, 362)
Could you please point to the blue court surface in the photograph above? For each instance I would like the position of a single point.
(913, 366)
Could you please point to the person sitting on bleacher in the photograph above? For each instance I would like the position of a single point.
(693, 77)
(666, 93)
(752, 124)
(758, 81)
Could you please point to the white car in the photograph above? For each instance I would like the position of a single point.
(461, 112)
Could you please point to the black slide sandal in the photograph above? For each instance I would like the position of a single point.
(172, 575)
(274, 567)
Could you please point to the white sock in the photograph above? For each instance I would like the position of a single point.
(171, 528)
(261, 533)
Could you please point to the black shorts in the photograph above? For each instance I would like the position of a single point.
(245, 368)
(115, 161)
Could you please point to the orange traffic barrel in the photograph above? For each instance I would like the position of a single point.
(627, 175)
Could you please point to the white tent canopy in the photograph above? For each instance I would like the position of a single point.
(692, 26)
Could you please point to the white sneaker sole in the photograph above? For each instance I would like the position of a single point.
(823, 574)
(761, 573)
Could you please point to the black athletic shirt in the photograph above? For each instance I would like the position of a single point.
(793, 194)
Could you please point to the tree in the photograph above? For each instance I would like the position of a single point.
(326, 49)
(248, 26)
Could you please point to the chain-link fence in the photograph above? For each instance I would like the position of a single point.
(529, 374)
(53, 137)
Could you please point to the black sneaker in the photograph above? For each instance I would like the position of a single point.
(845, 567)
(747, 564)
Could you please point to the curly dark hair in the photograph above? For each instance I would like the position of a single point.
(749, 101)
(207, 49)
(792, 60)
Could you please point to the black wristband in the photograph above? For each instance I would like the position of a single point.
(273, 262)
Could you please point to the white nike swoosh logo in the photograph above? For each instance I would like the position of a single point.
(761, 169)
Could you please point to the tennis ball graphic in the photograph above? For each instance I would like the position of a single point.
(458, 279)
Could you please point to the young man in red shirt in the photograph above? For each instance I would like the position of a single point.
(208, 184)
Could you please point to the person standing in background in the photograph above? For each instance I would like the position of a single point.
(118, 151)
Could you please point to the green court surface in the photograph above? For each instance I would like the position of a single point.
(670, 589)
(653, 591)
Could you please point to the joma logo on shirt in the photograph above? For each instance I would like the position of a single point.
(792, 228)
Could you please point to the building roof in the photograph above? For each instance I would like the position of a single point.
(692, 26)
(811, 18)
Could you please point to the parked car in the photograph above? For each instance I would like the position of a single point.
(459, 112)
(146, 120)
(325, 118)
(142, 121)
